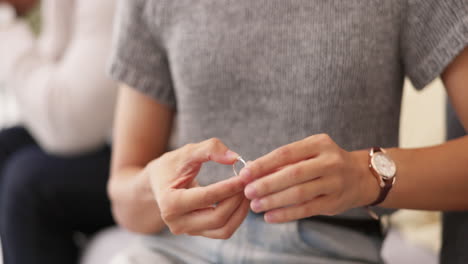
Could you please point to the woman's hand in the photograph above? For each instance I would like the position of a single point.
(214, 211)
(310, 177)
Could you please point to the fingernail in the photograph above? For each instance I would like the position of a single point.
(231, 155)
(250, 192)
(256, 205)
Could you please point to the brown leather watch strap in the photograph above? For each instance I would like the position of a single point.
(383, 192)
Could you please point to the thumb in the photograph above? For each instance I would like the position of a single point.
(213, 150)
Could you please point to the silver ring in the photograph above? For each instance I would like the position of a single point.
(234, 165)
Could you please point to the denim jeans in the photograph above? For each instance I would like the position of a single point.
(304, 241)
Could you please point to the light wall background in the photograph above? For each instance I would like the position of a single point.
(423, 115)
(422, 124)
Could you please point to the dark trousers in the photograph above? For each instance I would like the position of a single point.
(46, 200)
(455, 224)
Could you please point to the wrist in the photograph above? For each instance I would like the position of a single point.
(369, 188)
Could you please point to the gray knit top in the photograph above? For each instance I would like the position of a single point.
(259, 74)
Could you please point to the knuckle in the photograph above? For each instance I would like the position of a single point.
(332, 206)
(336, 158)
(263, 187)
(208, 196)
(164, 158)
(324, 139)
(225, 233)
(328, 163)
(189, 146)
(310, 209)
(217, 221)
(333, 160)
(332, 211)
(283, 152)
(295, 173)
(186, 152)
(230, 189)
(304, 211)
(167, 214)
(310, 140)
(329, 213)
(176, 229)
(168, 209)
(300, 193)
(255, 167)
(214, 142)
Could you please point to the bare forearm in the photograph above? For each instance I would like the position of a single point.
(141, 134)
(133, 203)
(431, 178)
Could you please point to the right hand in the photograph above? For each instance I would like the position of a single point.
(214, 211)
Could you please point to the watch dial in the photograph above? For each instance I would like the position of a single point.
(383, 165)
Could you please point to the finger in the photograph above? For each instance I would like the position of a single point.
(285, 155)
(316, 206)
(231, 226)
(282, 179)
(208, 218)
(177, 202)
(211, 150)
(295, 195)
(194, 184)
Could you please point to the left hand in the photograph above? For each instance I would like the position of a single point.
(313, 176)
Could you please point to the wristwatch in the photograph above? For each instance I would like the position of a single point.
(384, 169)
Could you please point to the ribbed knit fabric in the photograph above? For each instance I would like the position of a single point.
(259, 74)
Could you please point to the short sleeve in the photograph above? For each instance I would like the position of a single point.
(138, 57)
(433, 33)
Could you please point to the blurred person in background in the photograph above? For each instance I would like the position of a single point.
(266, 78)
(54, 168)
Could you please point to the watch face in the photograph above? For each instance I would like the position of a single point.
(383, 165)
